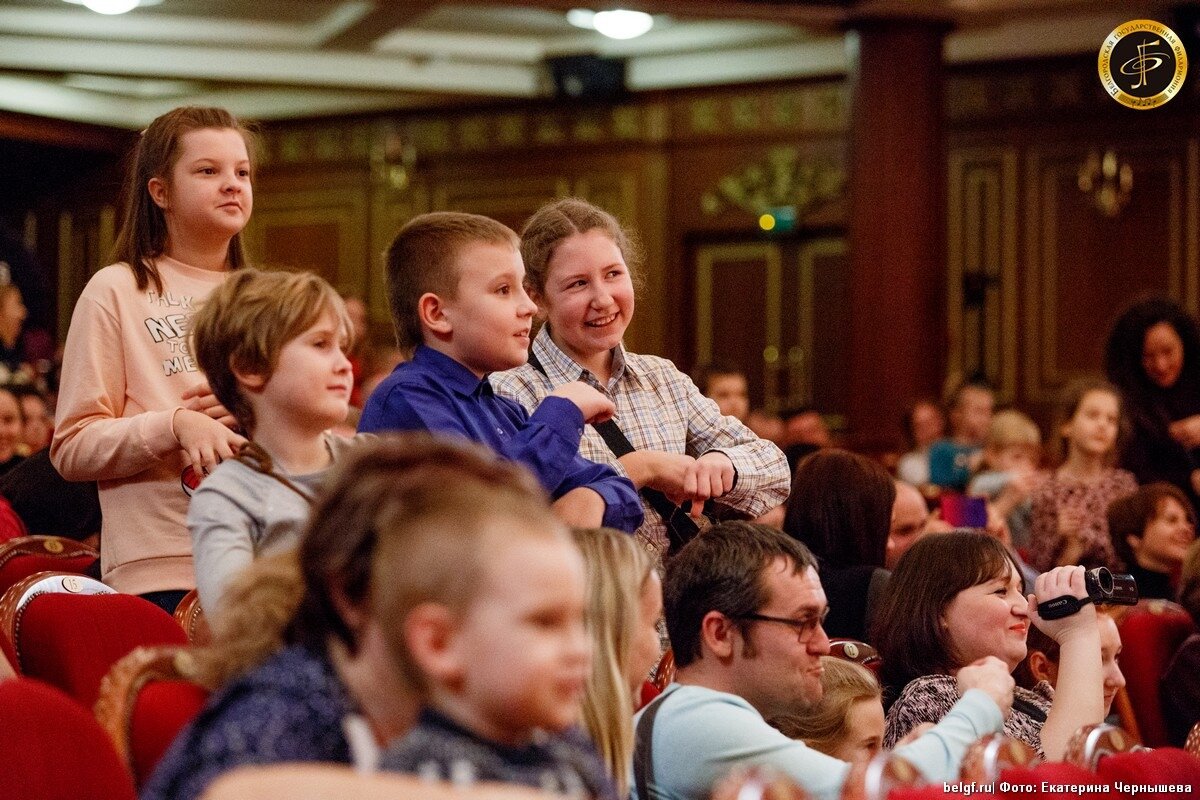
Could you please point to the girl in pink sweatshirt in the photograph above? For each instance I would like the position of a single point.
(134, 410)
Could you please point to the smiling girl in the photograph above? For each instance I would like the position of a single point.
(133, 409)
(581, 269)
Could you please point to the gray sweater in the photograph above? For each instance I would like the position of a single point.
(239, 513)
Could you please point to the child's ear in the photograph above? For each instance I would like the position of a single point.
(157, 188)
(429, 636)
(251, 380)
(1042, 668)
(432, 312)
(1134, 542)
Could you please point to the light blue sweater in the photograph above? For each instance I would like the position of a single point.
(701, 734)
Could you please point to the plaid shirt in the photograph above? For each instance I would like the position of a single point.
(658, 408)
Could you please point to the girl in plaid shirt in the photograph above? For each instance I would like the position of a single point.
(581, 271)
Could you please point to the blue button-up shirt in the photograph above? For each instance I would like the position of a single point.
(435, 393)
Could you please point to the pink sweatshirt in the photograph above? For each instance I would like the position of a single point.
(125, 366)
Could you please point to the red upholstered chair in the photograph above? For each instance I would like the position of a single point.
(69, 630)
(1151, 632)
(860, 653)
(1165, 765)
(21, 557)
(1091, 743)
(666, 671)
(994, 753)
(878, 778)
(54, 749)
(145, 700)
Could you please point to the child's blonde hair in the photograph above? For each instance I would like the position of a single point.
(143, 234)
(1012, 428)
(823, 726)
(424, 258)
(436, 512)
(245, 322)
(617, 570)
(1071, 398)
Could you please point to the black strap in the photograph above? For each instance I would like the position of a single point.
(643, 754)
(1029, 709)
(681, 528)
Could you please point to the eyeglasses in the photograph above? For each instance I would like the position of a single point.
(805, 628)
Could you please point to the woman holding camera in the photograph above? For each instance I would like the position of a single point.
(958, 597)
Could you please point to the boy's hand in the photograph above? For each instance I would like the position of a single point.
(204, 441)
(594, 405)
(200, 398)
(990, 675)
(580, 508)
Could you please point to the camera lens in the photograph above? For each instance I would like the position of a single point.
(1104, 580)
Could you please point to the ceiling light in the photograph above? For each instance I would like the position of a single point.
(109, 6)
(616, 24)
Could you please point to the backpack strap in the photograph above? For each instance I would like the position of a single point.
(643, 755)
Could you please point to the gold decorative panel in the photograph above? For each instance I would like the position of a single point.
(981, 257)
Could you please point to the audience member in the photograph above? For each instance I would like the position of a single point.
(456, 294)
(911, 519)
(924, 424)
(1069, 523)
(623, 609)
(958, 597)
(841, 508)
(39, 423)
(1012, 453)
(744, 606)
(334, 692)
(726, 386)
(12, 428)
(359, 346)
(272, 346)
(1043, 660)
(48, 504)
(804, 432)
(766, 425)
(132, 412)
(1153, 357)
(12, 320)
(581, 271)
(847, 722)
(1151, 531)
(486, 605)
(1179, 689)
(953, 460)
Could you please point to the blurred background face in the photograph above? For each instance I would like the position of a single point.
(731, 394)
(12, 314)
(973, 414)
(10, 425)
(909, 514)
(1165, 541)
(1162, 355)
(928, 425)
(38, 423)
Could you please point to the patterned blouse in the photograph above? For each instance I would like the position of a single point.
(930, 697)
(1091, 498)
(658, 408)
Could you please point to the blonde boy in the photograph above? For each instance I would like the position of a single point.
(1012, 452)
(455, 286)
(485, 594)
(272, 345)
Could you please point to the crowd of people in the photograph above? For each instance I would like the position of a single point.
(475, 585)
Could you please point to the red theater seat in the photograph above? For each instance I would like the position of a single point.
(1163, 769)
(54, 749)
(69, 630)
(1151, 632)
(22, 557)
(190, 617)
(145, 700)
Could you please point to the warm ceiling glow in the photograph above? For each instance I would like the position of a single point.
(617, 24)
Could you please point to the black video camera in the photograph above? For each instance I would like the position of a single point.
(1102, 587)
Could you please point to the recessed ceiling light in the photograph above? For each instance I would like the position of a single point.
(109, 6)
(615, 24)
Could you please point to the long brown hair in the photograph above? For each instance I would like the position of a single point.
(143, 234)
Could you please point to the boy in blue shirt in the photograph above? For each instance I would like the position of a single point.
(455, 285)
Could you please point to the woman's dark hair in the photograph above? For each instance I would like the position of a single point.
(908, 629)
(1129, 515)
(841, 507)
(1123, 354)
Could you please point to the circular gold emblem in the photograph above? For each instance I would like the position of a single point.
(52, 546)
(851, 650)
(1142, 64)
(72, 584)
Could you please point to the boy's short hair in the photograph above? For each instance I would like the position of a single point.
(955, 397)
(722, 569)
(423, 258)
(246, 321)
(1011, 428)
(433, 545)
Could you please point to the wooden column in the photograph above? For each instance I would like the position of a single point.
(896, 225)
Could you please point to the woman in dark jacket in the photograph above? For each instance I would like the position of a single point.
(1153, 357)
